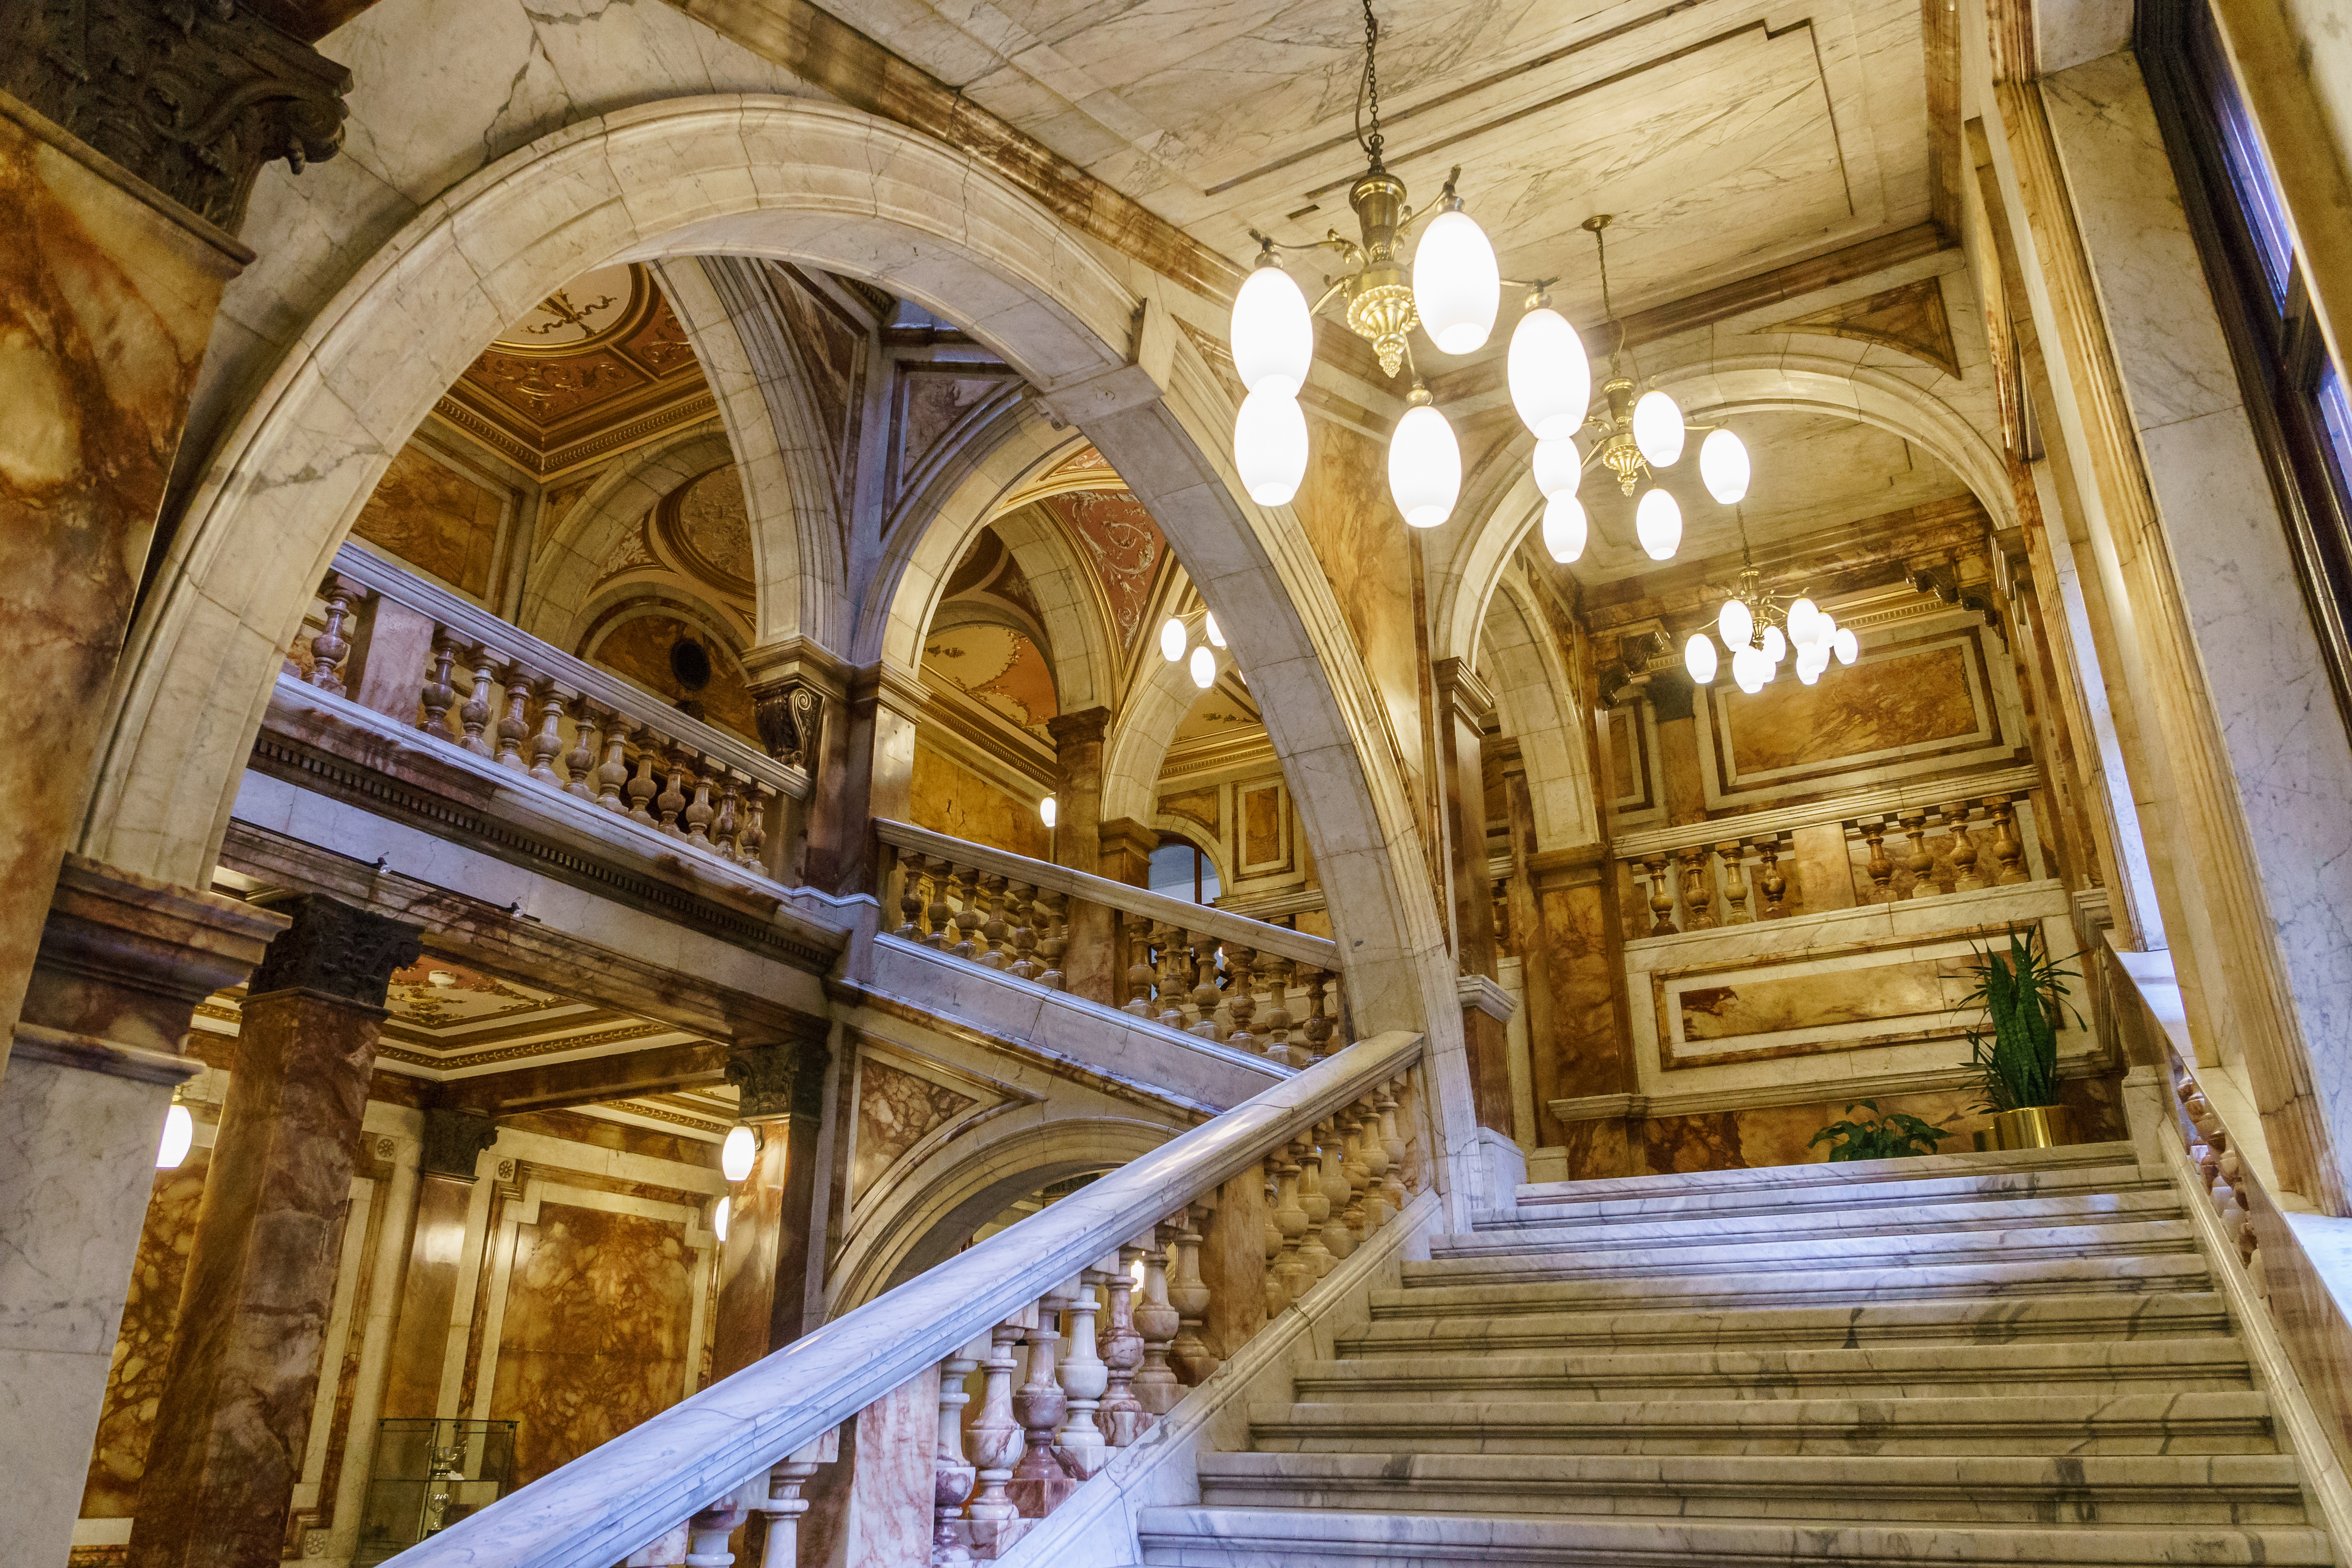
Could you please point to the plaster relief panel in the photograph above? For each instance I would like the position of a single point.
(426, 514)
(1124, 545)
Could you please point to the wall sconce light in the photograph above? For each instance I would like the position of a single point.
(718, 1214)
(179, 1136)
(737, 1153)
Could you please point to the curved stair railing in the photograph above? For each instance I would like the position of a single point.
(1334, 1151)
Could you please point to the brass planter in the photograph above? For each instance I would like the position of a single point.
(2032, 1127)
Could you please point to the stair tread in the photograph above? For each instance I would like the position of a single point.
(2119, 1158)
(1958, 1470)
(1666, 1228)
(1611, 1253)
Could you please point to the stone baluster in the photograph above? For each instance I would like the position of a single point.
(1175, 974)
(1965, 878)
(1241, 1005)
(643, 785)
(1881, 868)
(2008, 850)
(1316, 1031)
(1189, 1293)
(330, 647)
(1313, 1251)
(1378, 1210)
(1142, 978)
(707, 1530)
(1278, 1298)
(1122, 1415)
(587, 748)
(1291, 1218)
(547, 741)
(672, 799)
(1054, 944)
(782, 1504)
(438, 694)
(1392, 1141)
(1698, 897)
(967, 913)
(1206, 995)
(1360, 1221)
(1734, 883)
(1338, 1241)
(1274, 1021)
(952, 1476)
(993, 1520)
(473, 717)
(993, 930)
(1769, 883)
(1022, 937)
(1661, 896)
(1084, 1379)
(730, 821)
(514, 721)
(699, 814)
(910, 897)
(754, 832)
(1921, 861)
(1039, 1481)
(938, 915)
(614, 775)
(1157, 1320)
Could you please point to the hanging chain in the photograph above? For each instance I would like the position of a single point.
(1368, 90)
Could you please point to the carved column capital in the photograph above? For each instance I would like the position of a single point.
(337, 950)
(191, 95)
(452, 1140)
(780, 1081)
(1087, 726)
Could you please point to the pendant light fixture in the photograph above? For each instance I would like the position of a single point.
(1764, 629)
(1565, 528)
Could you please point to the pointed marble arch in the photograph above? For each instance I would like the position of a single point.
(823, 185)
(1159, 697)
(564, 566)
(1541, 709)
(1507, 505)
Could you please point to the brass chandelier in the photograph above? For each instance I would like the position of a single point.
(1762, 627)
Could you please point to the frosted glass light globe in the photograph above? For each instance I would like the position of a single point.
(1658, 429)
(1658, 523)
(720, 1213)
(1750, 668)
(1270, 447)
(1551, 376)
(1204, 669)
(1737, 625)
(1814, 657)
(1565, 529)
(1455, 284)
(735, 1155)
(1171, 640)
(1846, 645)
(179, 1135)
(1776, 647)
(1274, 336)
(1825, 631)
(1698, 658)
(1208, 626)
(1424, 467)
(1723, 466)
(1049, 810)
(1804, 623)
(1807, 670)
(1559, 467)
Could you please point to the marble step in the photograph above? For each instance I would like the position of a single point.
(1882, 1371)
(2019, 1172)
(1206, 1537)
(1663, 1228)
(2068, 1421)
(1819, 1286)
(2070, 1490)
(1609, 1255)
(2028, 1319)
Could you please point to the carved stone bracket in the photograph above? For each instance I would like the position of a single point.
(791, 715)
(780, 1081)
(452, 1140)
(338, 950)
(191, 95)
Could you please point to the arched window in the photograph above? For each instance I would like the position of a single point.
(1180, 869)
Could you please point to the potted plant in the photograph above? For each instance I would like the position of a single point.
(2015, 1050)
(1889, 1135)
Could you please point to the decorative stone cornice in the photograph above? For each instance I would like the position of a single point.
(1460, 684)
(1087, 726)
(191, 95)
(335, 950)
(780, 1081)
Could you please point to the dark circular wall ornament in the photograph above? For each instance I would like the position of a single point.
(689, 661)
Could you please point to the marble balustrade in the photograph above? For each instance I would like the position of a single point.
(1224, 977)
(1737, 870)
(1043, 1348)
(390, 642)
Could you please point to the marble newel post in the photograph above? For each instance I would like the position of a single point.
(1086, 964)
(1464, 703)
(122, 964)
(765, 1270)
(235, 1412)
(798, 692)
(859, 725)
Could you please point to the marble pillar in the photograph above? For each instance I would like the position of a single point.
(1125, 856)
(1088, 965)
(801, 696)
(1575, 971)
(123, 962)
(107, 297)
(1465, 704)
(876, 777)
(1233, 1264)
(1681, 781)
(765, 1294)
(417, 1369)
(234, 1413)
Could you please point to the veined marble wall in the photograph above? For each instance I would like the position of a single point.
(951, 798)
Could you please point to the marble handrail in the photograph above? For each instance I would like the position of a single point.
(1303, 947)
(692, 1465)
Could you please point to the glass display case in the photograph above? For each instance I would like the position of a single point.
(427, 1476)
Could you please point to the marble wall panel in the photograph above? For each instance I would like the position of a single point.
(1919, 699)
(594, 1331)
(896, 1110)
(1712, 1013)
(435, 518)
(952, 799)
(143, 1346)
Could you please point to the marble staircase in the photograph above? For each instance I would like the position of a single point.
(1966, 1359)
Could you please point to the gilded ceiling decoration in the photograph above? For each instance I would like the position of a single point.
(1125, 546)
(707, 527)
(1000, 668)
(600, 365)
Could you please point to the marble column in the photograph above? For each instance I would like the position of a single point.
(123, 962)
(875, 777)
(1681, 784)
(234, 1413)
(1465, 704)
(1125, 848)
(437, 1262)
(765, 1294)
(799, 692)
(1088, 965)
